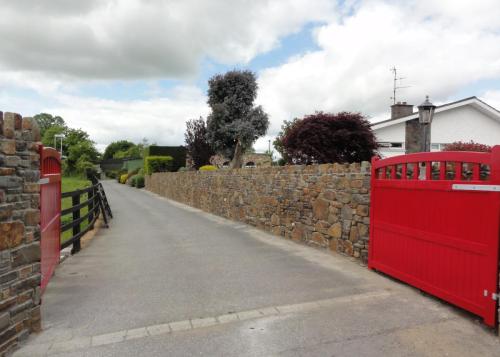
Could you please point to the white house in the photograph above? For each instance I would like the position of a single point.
(464, 120)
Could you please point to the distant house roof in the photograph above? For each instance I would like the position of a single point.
(473, 101)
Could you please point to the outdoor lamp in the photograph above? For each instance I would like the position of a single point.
(425, 115)
(426, 111)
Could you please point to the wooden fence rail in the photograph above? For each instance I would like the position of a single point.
(96, 204)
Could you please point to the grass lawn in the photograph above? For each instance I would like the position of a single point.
(71, 183)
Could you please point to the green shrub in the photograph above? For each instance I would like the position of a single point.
(182, 169)
(208, 168)
(154, 164)
(132, 173)
(131, 181)
(139, 181)
(123, 178)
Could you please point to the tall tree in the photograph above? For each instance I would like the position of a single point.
(327, 138)
(116, 146)
(234, 123)
(196, 142)
(46, 121)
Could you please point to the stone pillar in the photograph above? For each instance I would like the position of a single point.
(417, 137)
(19, 230)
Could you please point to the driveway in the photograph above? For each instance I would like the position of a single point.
(169, 280)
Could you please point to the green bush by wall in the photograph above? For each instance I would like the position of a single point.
(154, 164)
(208, 168)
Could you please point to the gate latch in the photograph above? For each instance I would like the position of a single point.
(43, 181)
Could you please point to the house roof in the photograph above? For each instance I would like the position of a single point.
(473, 101)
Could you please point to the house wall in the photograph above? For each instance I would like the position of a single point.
(465, 123)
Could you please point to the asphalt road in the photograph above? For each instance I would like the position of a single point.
(169, 280)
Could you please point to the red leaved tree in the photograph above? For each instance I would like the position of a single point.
(327, 138)
(467, 146)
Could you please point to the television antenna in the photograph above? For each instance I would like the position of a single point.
(395, 86)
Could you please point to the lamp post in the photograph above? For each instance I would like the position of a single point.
(425, 116)
(59, 136)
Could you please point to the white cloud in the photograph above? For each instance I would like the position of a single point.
(53, 47)
(441, 47)
(144, 38)
(160, 120)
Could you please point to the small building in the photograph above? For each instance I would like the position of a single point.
(464, 120)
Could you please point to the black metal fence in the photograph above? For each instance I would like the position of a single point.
(93, 198)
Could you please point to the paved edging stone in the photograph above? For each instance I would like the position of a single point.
(80, 342)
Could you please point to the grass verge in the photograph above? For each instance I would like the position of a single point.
(72, 183)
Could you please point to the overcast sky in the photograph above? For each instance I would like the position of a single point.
(134, 69)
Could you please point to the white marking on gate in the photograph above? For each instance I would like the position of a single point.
(488, 188)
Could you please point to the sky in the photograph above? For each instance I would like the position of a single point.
(134, 69)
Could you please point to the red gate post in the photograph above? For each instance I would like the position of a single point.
(50, 212)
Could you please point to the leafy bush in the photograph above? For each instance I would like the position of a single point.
(123, 178)
(154, 164)
(131, 180)
(208, 168)
(132, 173)
(139, 181)
(326, 138)
(464, 146)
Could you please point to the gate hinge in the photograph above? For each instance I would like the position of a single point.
(494, 296)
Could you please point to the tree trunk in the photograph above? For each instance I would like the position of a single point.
(237, 161)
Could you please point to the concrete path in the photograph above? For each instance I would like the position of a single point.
(168, 280)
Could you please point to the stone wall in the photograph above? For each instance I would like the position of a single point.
(321, 205)
(19, 230)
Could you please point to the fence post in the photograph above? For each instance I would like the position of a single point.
(91, 198)
(76, 229)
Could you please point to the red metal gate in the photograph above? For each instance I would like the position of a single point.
(435, 224)
(50, 206)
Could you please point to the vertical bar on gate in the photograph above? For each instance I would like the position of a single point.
(428, 170)
(442, 170)
(476, 175)
(393, 171)
(416, 170)
(458, 170)
(404, 171)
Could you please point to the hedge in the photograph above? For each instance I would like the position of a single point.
(154, 164)
(178, 153)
